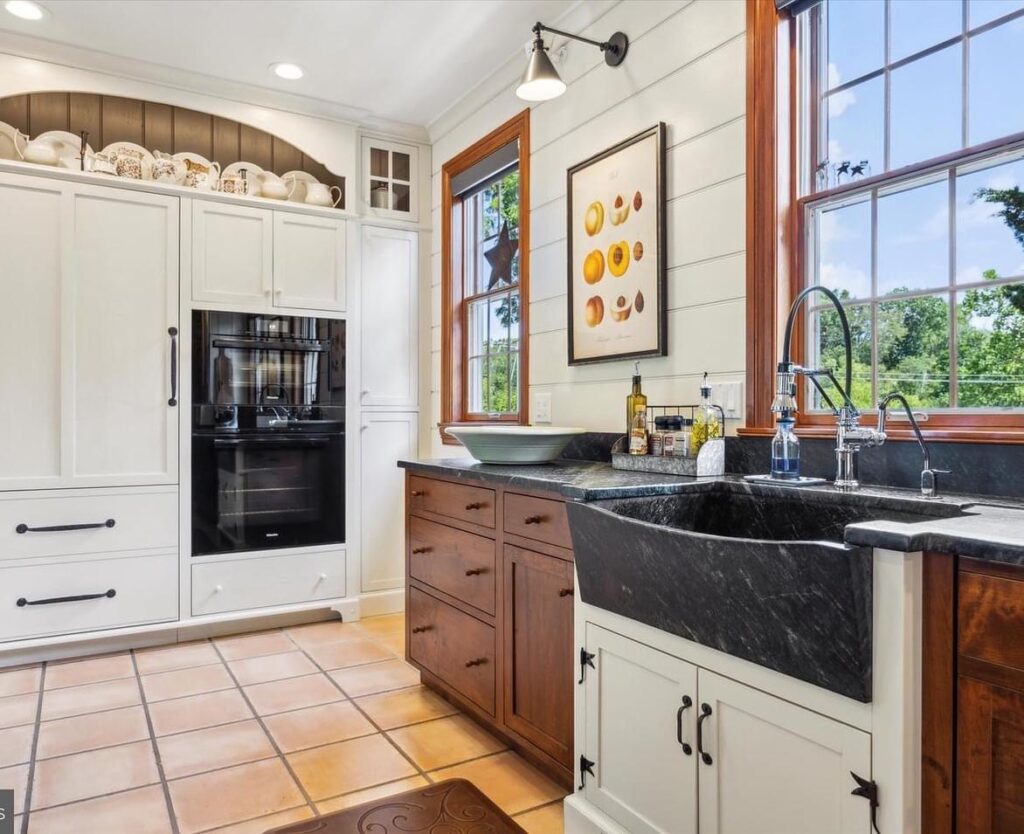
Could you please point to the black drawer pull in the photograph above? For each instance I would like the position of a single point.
(475, 505)
(63, 528)
(475, 571)
(533, 519)
(422, 549)
(22, 602)
(420, 629)
(565, 592)
(705, 712)
(687, 703)
(480, 661)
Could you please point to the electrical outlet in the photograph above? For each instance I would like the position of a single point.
(541, 408)
(730, 396)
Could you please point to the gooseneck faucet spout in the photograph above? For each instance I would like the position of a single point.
(929, 476)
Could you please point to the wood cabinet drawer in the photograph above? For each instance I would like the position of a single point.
(260, 582)
(117, 520)
(991, 618)
(453, 561)
(466, 503)
(34, 599)
(456, 647)
(542, 519)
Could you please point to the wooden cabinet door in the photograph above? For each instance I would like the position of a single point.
(309, 262)
(538, 625)
(125, 302)
(232, 255)
(639, 713)
(383, 439)
(990, 759)
(390, 319)
(776, 768)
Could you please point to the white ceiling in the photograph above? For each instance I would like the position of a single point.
(396, 60)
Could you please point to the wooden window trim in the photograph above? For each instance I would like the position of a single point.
(453, 326)
(774, 217)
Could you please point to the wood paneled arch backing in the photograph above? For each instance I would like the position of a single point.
(161, 127)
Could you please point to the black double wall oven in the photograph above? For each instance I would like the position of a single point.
(268, 432)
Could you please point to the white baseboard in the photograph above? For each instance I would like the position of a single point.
(382, 602)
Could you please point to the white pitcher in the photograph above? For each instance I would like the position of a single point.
(275, 188)
(318, 194)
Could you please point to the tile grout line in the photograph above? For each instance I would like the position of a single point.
(27, 803)
(156, 748)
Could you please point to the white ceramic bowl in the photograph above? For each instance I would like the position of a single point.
(514, 444)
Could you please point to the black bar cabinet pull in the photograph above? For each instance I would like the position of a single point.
(173, 333)
(474, 571)
(687, 703)
(479, 661)
(22, 602)
(63, 528)
(705, 712)
(474, 505)
(533, 519)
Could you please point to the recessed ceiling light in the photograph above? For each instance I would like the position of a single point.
(25, 9)
(291, 72)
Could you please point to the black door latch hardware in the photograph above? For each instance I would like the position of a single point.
(586, 766)
(586, 659)
(867, 789)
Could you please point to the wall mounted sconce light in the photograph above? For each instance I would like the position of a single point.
(541, 80)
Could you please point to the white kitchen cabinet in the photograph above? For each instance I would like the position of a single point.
(92, 274)
(232, 254)
(640, 706)
(390, 179)
(389, 319)
(384, 439)
(309, 262)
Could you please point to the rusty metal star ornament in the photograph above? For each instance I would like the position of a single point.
(500, 257)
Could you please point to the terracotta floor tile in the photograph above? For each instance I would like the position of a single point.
(349, 766)
(316, 634)
(225, 797)
(258, 826)
(273, 667)
(198, 711)
(16, 745)
(176, 656)
(444, 742)
(140, 811)
(353, 652)
(242, 646)
(293, 693)
(350, 800)
(185, 754)
(16, 778)
(98, 772)
(91, 732)
(178, 684)
(376, 677)
(405, 706)
(384, 625)
(20, 681)
(546, 820)
(92, 697)
(512, 783)
(316, 726)
(92, 670)
(394, 643)
(18, 709)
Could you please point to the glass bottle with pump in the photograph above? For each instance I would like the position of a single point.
(637, 399)
(706, 424)
(785, 450)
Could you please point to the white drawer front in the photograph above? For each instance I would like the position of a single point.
(142, 520)
(260, 582)
(145, 591)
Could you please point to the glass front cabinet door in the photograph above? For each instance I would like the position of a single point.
(389, 179)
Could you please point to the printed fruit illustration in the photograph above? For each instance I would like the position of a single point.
(638, 251)
(638, 304)
(594, 312)
(637, 201)
(593, 220)
(593, 267)
(618, 258)
(620, 210)
(621, 309)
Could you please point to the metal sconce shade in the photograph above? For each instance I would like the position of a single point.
(541, 80)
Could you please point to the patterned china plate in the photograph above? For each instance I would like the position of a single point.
(147, 158)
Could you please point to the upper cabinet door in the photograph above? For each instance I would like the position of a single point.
(33, 335)
(232, 254)
(639, 725)
(775, 766)
(309, 262)
(390, 179)
(125, 305)
(389, 319)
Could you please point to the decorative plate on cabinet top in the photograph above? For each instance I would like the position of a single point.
(12, 142)
(130, 149)
(301, 179)
(68, 145)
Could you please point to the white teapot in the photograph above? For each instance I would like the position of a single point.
(41, 152)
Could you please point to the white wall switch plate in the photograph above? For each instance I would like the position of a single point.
(541, 408)
(729, 395)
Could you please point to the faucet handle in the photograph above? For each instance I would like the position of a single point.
(930, 481)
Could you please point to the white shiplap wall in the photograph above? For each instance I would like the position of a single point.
(685, 67)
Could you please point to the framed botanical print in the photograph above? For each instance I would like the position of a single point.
(617, 262)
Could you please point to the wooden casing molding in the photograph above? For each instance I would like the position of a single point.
(453, 374)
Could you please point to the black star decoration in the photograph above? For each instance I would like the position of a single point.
(501, 257)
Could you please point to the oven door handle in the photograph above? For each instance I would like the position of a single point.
(270, 344)
(234, 443)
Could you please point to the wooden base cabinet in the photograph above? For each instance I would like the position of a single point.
(672, 748)
(490, 610)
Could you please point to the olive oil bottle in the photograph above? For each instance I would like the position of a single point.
(637, 399)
